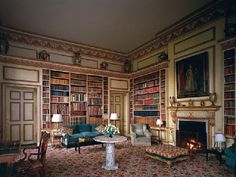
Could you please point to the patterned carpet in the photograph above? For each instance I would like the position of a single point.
(132, 161)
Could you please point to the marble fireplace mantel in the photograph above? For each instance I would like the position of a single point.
(199, 110)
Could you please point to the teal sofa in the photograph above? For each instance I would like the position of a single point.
(87, 131)
(230, 156)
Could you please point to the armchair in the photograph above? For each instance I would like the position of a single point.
(34, 160)
(140, 135)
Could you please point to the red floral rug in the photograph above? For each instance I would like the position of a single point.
(132, 161)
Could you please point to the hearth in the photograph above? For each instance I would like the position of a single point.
(192, 135)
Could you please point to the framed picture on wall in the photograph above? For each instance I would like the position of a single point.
(192, 76)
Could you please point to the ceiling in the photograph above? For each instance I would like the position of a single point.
(119, 25)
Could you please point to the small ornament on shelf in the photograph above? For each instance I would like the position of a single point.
(104, 65)
(212, 98)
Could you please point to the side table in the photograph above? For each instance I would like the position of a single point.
(216, 152)
(56, 139)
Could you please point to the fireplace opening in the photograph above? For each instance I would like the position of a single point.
(192, 135)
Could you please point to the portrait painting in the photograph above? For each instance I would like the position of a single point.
(192, 76)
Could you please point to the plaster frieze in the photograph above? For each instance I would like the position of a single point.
(62, 67)
(206, 16)
(62, 45)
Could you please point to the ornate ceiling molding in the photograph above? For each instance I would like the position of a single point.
(56, 44)
(63, 67)
(229, 43)
(198, 19)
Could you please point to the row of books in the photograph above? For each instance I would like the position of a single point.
(59, 81)
(98, 90)
(45, 77)
(46, 71)
(59, 74)
(45, 106)
(46, 89)
(78, 76)
(46, 94)
(77, 120)
(230, 130)
(78, 113)
(60, 87)
(229, 120)
(94, 78)
(147, 96)
(78, 89)
(92, 111)
(78, 106)
(79, 97)
(45, 83)
(60, 99)
(229, 78)
(229, 87)
(146, 113)
(58, 93)
(229, 53)
(229, 95)
(60, 108)
(95, 95)
(147, 84)
(45, 100)
(95, 101)
(229, 62)
(229, 70)
(147, 90)
(78, 82)
(45, 111)
(229, 111)
(94, 84)
(229, 103)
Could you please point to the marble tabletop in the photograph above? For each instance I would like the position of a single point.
(114, 139)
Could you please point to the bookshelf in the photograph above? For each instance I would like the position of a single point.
(95, 99)
(59, 93)
(46, 98)
(78, 98)
(105, 95)
(131, 100)
(149, 98)
(229, 93)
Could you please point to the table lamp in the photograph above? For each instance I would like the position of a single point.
(159, 122)
(219, 139)
(114, 117)
(57, 118)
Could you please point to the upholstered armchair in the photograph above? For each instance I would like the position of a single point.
(140, 135)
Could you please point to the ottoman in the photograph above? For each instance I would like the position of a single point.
(167, 153)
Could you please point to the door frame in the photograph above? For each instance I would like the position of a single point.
(125, 95)
(37, 113)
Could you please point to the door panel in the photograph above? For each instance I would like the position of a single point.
(116, 106)
(20, 114)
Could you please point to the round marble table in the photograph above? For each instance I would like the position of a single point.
(110, 163)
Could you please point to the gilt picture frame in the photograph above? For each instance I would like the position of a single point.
(192, 76)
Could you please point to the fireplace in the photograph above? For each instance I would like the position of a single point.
(192, 134)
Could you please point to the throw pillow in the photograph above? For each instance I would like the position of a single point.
(100, 128)
(67, 130)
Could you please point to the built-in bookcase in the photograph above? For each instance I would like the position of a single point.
(59, 89)
(95, 98)
(131, 100)
(149, 98)
(229, 93)
(78, 97)
(46, 99)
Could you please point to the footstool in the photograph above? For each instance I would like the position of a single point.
(167, 153)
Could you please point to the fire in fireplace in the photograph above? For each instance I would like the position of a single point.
(191, 135)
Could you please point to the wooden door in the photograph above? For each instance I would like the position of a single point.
(116, 106)
(20, 105)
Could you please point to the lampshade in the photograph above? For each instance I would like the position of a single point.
(159, 122)
(219, 138)
(114, 116)
(57, 118)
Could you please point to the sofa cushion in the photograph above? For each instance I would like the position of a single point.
(93, 128)
(89, 134)
(84, 128)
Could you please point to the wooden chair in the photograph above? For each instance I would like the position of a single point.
(33, 162)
